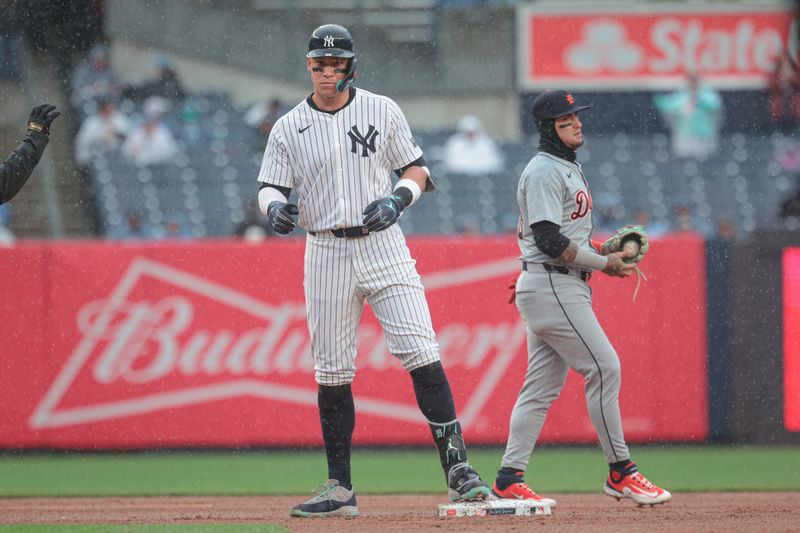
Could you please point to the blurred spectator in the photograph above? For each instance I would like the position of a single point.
(784, 93)
(263, 115)
(693, 115)
(254, 227)
(190, 130)
(101, 132)
(173, 230)
(789, 211)
(6, 235)
(654, 229)
(471, 151)
(165, 84)
(726, 229)
(683, 219)
(787, 154)
(134, 228)
(607, 217)
(93, 79)
(151, 142)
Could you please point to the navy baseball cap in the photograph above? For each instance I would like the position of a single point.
(554, 103)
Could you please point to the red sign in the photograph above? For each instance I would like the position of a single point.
(791, 338)
(205, 344)
(602, 47)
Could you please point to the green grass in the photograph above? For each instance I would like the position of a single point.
(177, 528)
(552, 469)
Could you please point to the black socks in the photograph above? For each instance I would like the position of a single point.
(508, 476)
(620, 469)
(434, 397)
(337, 416)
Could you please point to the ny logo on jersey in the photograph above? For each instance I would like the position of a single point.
(367, 141)
(328, 41)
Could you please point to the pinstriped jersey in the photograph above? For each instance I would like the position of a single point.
(338, 162)
(554, 190)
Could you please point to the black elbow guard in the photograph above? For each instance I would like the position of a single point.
(549, 239)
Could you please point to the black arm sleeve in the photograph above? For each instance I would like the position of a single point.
(16, 170)
(286, 191)
(548, 239)
(419, 162)
(430, 185)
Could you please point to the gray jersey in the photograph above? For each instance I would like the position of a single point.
(338, 162)
(554, 190)
(563, 331)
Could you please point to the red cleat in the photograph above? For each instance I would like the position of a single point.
(636, 487)
(521, 491)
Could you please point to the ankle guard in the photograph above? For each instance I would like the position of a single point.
(450, 443)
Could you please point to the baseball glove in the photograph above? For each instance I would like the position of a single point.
(624, 234)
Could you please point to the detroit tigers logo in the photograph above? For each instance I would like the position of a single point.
(367, 142)
(327, 42)
(583, 204)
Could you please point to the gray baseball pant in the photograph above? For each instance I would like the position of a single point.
(563, 333)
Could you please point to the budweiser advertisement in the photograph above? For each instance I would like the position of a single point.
(650, 45)
(791, 338)
(110, 346)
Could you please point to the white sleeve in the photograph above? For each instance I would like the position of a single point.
(275, 166)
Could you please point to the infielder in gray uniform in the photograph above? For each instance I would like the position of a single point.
(555, 301)
(338, 149)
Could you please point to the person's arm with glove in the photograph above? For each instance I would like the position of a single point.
(16, 170)
(384, 212)
(274, 204)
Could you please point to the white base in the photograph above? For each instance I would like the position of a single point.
(500, 507)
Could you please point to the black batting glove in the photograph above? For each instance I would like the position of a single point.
(41, 117)
(282, 217)
(382, 213)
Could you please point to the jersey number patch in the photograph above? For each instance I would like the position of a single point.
(366, 142)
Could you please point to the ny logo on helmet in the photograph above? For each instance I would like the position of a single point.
(570, 99)
(328, 41)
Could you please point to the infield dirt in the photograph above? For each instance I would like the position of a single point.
(695, 512)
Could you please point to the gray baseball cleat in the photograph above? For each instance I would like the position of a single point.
(464, 484)
(331, 500)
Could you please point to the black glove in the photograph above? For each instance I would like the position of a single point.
(282, 216)
(382, 213)
(41, 117)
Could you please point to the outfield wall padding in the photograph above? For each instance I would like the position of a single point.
(204, 344)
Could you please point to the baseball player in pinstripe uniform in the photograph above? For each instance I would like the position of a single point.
(337, 149)
(555, 301)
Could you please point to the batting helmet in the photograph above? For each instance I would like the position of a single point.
(332, 40)
(555, 103)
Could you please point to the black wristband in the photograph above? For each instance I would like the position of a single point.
(405, 194)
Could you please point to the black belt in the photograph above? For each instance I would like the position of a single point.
(558, 269)
(350, 233)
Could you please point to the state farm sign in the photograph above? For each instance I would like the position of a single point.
(606, 48)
